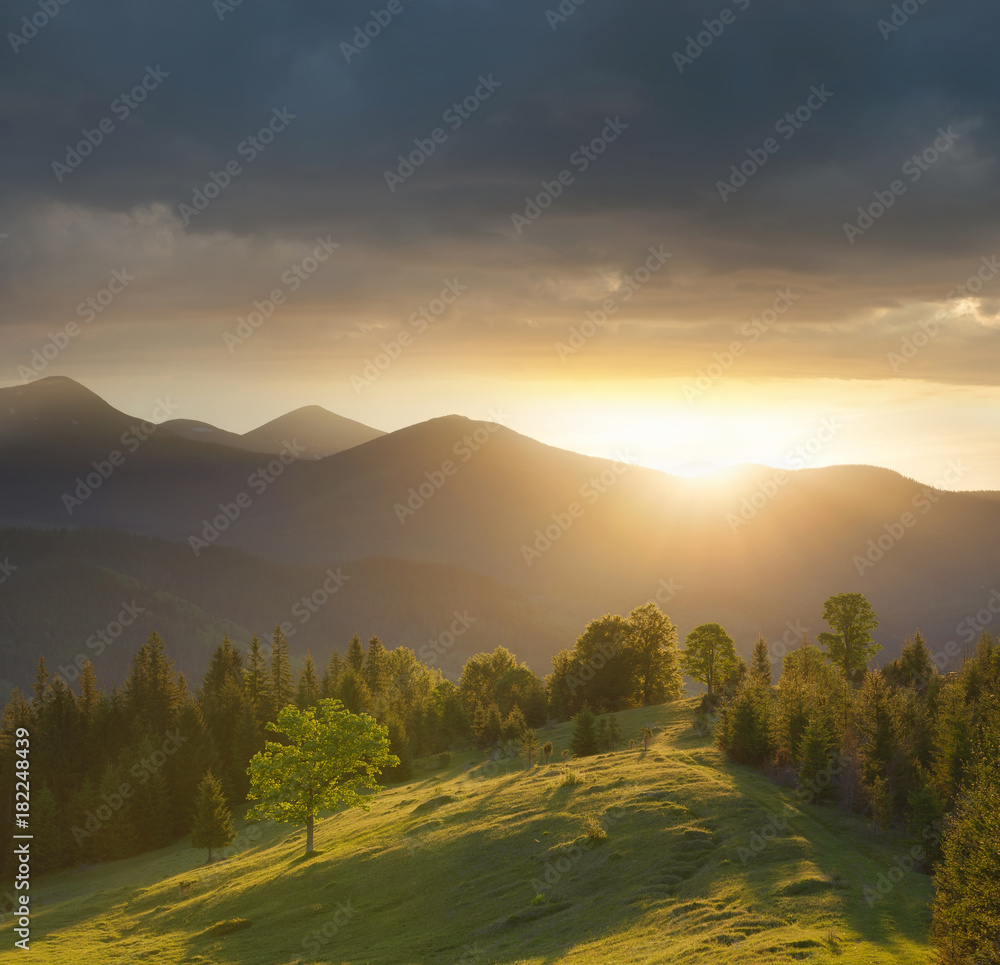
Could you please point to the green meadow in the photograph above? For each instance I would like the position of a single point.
(637, 856)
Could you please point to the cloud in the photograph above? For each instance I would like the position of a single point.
(324, 174)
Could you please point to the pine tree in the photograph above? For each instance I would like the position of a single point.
(760, 662)
(529, 747)
(602, 734)
(967, 907)
(584, 740)
(213, 821)
(749, 723)
(355, 655)
(376, 670)
(282, 686)
(333, 675)
(817, 754)
(90, 695)
(514, 726)
(257, 684)
(308, 689)
(354, 694)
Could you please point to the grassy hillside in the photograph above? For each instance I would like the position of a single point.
(446, 869)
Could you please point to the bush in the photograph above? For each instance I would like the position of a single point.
(444, 758)
(570, 779)
(595, 833)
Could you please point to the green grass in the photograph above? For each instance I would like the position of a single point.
(494, 865)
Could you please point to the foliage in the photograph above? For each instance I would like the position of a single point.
(332, 759)
(850, 646)
(709, 655)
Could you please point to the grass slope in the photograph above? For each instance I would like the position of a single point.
(446, 869)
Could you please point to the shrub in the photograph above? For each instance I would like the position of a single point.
(595, 833)
(547, 750)
(444, 758)
(570, 779)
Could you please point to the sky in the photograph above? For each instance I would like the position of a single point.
(691, 233)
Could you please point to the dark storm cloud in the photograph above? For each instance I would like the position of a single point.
(891, 92)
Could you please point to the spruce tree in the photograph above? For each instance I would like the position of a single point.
(333, 675)
(308, 689)
(355, 655)
(213, 821)
(282, 685)
(257, 683)
(818, 751)
(760, 662)
(584, 741)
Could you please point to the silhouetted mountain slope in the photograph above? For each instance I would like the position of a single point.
(753, 548)
(316, 430)
(69, 587)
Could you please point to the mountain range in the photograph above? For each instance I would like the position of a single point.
(228, 531)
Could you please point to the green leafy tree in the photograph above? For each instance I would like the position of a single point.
(584, 741)
(709, 655)
(332, 758)
(213, 821)
(651, 640)
(850, 646)
(547, 749)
